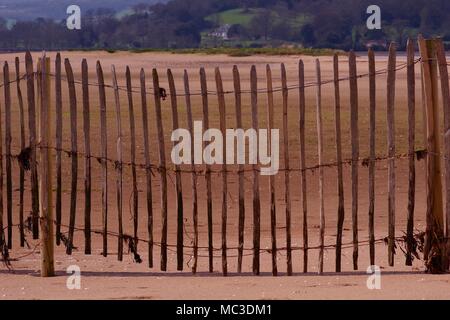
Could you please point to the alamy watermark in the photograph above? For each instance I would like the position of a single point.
(262, 149)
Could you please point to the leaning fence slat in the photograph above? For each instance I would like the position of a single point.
(302, 119)
(194, 175)
(162, 170)
(32, 140)
(22, 147)
(74, 153)
(87, 157)
(241, 173)
(411, 82)
(3, 244)
(118, 165)
(340, 181)
(104, 156)
(8, 139)
(287, 194)
(178, 182)
(59, 123)
(222, 115)
(372, 129)
(391, 150)
(204, 90)
(355, 152)
(256, 196)
(443, 71)
(133, 159)
(148, 173)
(321, 162)
(273, 213)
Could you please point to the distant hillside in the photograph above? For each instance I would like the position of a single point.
(56, 9)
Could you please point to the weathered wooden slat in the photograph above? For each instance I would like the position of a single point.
(148, 173)
(8, 139)
(391, 150)
(162, 170)
(302, 107)
(287, 174)
(355, 152)
(45, 164)
(321, 163)
(194, 175)
(223, 128)
(340, 180)
(256, 195)
(411, 82)
(31, 101)
(104, 155)
(372, 129)
(205, 107)
(241, 173)
(59, 124)
(87, 157)
(133, 157)
(118, 165)
(22, 147)
(273, 209)
(443, 71)
(178, 182)
(74, 153)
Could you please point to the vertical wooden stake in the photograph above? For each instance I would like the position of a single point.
(391, 150)
(241, 173)
(162, 170)
(321, 162)
(104, 157)
(8, 139)
(45, 165)
(148, 172)
(223, 128)
(204, 90)
(372, 129)
(31, 101)
(434, 245)
(133, 157)
(87, 157)
(273, 212)
(443, 71)
(74, 153)
(179, 188)
(411, 80)
(340, 182)
(59, 112)
(355, 152)
(118, 165)
(194, 175)
(22, 147)
(302, 109)
(256, 197)
(287, 169)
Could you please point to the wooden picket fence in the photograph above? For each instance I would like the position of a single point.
(36, 157)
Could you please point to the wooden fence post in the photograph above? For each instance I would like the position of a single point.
(8, 138)
(73, 153)
(340, 182)
(443, 70)
(59, 123)
(45, 166)
(355, 152)
(31, 101)
(272, 186)
(22, 147)
(434, 244)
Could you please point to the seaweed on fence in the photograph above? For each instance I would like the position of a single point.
(66, 242)
(4, 251)
(24, 159)
(132, 247)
